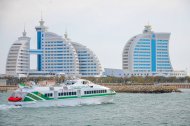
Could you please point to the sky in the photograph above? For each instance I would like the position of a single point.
(104, 26)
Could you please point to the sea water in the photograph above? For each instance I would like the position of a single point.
(167, 109)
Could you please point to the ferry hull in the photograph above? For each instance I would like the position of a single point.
(66, 102)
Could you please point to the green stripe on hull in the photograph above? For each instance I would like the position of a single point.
(39, 98)
(93, 95)
(42, 95)
(27, 99)
(33, 96)
(65, 97)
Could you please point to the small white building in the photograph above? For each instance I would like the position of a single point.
(123, 73)
(109, 72)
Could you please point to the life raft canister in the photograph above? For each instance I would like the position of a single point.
(14, 99)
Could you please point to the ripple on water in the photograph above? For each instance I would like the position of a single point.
(128, 109)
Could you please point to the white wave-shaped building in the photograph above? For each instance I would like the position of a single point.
(56, 54)
(147, 54)
(18, 60)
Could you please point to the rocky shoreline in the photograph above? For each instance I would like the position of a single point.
(125, 88)
(142, 88)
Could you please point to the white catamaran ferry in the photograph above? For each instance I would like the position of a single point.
(70, 93)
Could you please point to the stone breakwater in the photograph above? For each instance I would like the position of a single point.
(142, 88)
(7, 88)
(125, 88)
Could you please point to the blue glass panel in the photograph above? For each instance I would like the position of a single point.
(153, 53)
(39, 58)
(39, 40)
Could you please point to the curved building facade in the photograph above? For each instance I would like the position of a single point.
(54, 53)
(60, 55)
(18, 60)
(147, 54)
(89, 64)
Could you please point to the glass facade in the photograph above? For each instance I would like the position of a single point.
(88, 62)
(59, 54)
(147, 53)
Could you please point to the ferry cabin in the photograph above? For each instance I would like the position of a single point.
(74, 93)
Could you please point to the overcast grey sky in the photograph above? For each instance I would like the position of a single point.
(104, 26)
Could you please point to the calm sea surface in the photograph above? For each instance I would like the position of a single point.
(172, 109)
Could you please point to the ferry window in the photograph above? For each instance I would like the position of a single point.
(48, 95)
(85, 82)
(85, 92)
(75, 93)
(60, 94)
(94, 91)
(65, 93)
(70, 93)
(51, 94)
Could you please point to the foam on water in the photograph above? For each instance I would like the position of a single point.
(6, 106)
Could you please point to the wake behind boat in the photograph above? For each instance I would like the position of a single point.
(70, 93)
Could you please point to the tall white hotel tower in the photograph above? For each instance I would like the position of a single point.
(60, 55)
(55, 54)
(18, 60)
(147, 54)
